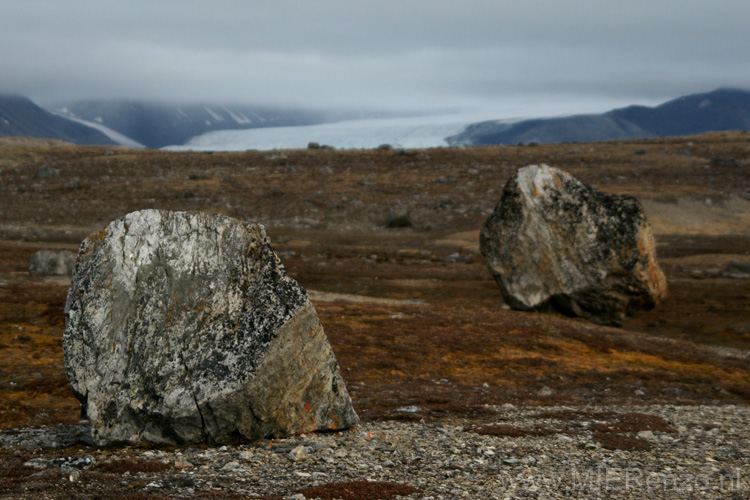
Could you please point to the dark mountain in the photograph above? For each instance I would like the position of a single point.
(20, 117)
(161, 124)
(722, 109)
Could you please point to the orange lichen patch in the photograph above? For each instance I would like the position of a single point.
(557, 180)
(98, 236)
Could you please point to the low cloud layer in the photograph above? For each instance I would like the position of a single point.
(522, 59)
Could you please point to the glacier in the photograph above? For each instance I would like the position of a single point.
(414, 132)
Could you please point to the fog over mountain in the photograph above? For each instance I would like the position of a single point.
(529, 59)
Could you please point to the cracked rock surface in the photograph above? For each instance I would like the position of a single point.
(183, 327)
(553, 243)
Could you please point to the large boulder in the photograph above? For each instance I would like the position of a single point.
(184, 327)
(553, 243)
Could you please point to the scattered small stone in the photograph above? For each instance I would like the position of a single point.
(52, 262)
(455, 257)
(724, 161)
(737, 270)
(67, 462)
(444, 457)
(275, 156)
(47, 172)
(545, 391)
(73, 475)
(298, 454)
(410, 409)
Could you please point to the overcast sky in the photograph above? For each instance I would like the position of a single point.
(521, 58)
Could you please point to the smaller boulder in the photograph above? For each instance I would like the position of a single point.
(553, 243)
(47, 172)
(52, 262)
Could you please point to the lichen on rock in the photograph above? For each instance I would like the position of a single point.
(184, 327)
(553, 243)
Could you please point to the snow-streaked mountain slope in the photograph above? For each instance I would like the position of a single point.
(722, 109)
(21, 117)
(117, 137)
(157, 124)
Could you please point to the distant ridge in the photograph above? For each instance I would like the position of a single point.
(722, 109)
(20, 117)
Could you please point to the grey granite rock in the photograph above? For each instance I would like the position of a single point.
(553, 243)
(184, 327)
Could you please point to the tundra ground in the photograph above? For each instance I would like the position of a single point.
(411, 311)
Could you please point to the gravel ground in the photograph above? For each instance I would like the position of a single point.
(513, 452)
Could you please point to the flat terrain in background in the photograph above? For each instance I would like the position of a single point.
(411, 312)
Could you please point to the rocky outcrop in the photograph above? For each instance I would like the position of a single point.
(52, 262)
(184, 327)
(553, 243)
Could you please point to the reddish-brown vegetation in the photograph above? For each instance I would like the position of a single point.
(359, 490)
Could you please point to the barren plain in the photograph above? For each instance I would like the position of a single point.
(385, 242)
